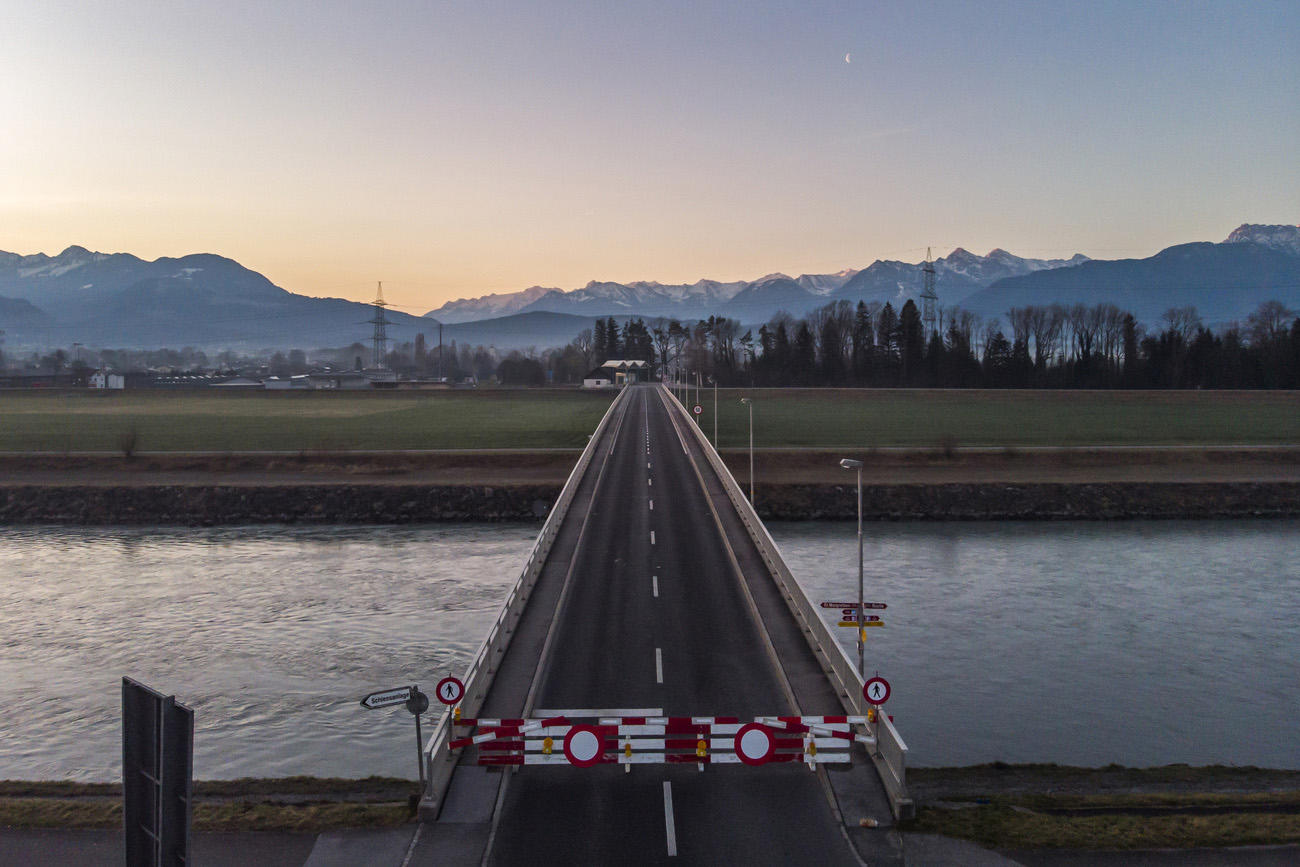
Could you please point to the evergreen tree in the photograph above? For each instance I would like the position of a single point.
(911, 339)
(803, 363)
(600, 342)
(613, 340)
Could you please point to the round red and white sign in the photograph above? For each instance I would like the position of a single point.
(876, 690)
(755, 744)
(698, 409)
(582, 746)
(450, 690)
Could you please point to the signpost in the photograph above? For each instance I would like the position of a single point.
(386, 697)
(876, 690)
(870, 606)
(417, 703)
(450, 690)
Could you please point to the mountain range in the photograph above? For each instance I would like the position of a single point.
(208, 301)
(203, 300)
(1225, 281)
(957, 275)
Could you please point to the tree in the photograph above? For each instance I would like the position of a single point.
(803, 363)
(613, 339)
(1182, 321)
(1268, 323)
(518, 370)
(911, 339)
(600, 342)
(421, 356)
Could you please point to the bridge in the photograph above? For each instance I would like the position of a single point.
(657, 688)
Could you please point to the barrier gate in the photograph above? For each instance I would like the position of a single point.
(637, 740)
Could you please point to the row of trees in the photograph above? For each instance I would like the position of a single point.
(1041, 346)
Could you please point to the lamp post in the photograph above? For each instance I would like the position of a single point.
(850, 464)
(750, 403)
(714, 380)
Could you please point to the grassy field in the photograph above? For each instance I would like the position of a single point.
(871, 418)
(202, 421)
(530, 419)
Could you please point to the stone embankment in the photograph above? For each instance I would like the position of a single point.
(202, 505)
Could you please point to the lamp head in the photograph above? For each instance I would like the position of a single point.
(745, 400)
(850, 464)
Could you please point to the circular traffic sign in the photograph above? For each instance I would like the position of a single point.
(876, 690)
(450, 690)
(698, 409)
(755, 744)
(582, 746)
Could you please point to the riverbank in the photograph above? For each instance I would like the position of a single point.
(371, 503)
(1036, 807)
(1006, 807)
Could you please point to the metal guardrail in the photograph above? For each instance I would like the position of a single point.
(440, 762)
(890, 755)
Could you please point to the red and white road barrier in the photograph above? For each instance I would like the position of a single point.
(569, 739)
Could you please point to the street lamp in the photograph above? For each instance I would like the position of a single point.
(750, 403)
(714, 380)
(850, 464)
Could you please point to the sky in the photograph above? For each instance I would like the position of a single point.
(457, 149)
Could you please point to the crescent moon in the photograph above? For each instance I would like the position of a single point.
(848, 57)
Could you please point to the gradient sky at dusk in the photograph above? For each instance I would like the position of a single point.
(455, 149)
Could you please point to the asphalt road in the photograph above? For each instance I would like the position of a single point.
(654, 617)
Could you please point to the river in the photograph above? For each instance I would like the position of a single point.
(1079, 643)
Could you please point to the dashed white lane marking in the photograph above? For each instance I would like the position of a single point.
(654, 581)
(659, 666)
(650, 482)
(647, 465)
(652, 537)
(652, 505)
(669, 825)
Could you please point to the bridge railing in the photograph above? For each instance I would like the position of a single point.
(890, 755)
(440, 762)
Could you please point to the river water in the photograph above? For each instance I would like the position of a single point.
(1080, 643)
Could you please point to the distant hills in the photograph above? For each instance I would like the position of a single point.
(1224, 281)
(208, 301)
(202, 300)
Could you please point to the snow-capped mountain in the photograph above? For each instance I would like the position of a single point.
(1284, 238)
(957, 275)
(488, 306)
(200, 300)
(825, 284)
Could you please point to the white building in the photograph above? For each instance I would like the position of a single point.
(104, 379)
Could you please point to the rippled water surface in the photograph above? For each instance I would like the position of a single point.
(271, 635)
(1081, 643)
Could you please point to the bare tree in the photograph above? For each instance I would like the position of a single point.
(584, 345)
(1183, 321)
(1268, 323)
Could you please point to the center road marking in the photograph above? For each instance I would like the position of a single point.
(650, 482)
(652, 505)
(659, 666)
(652, 537)
(654, 580)
(647, 465)
(669, 825)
